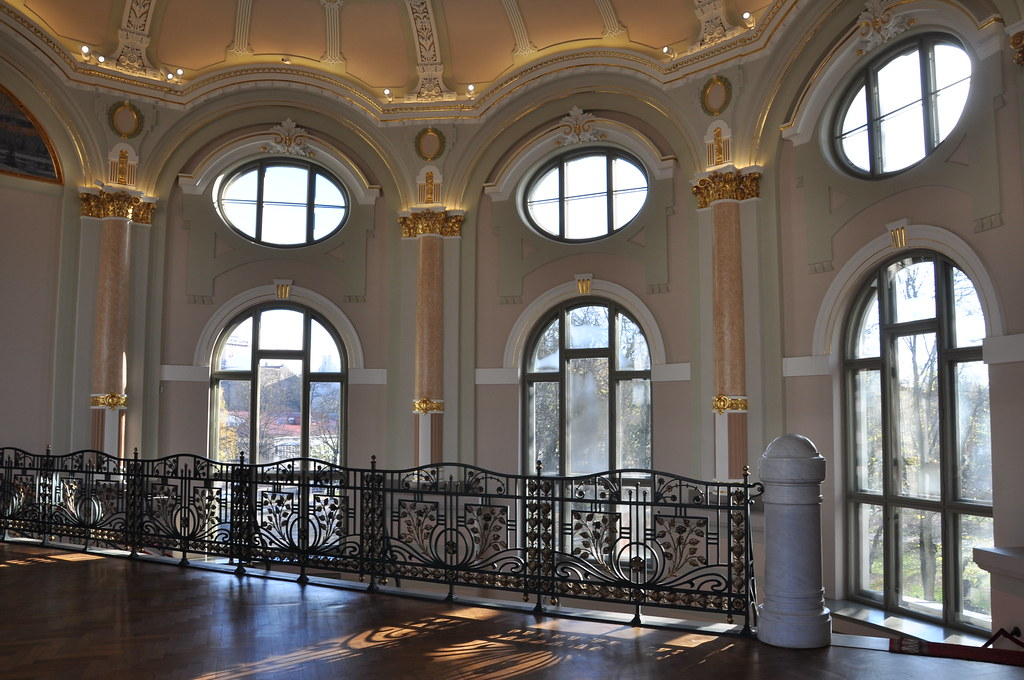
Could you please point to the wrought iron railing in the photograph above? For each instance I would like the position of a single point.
(634, 537)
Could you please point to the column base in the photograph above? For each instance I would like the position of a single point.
(798, 631)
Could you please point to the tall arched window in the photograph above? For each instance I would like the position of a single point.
(587, 391)
(278, 387)
(919, 471)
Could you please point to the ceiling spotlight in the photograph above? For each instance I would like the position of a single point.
(668, 52)
(86, 50)
(285, 60)
(170, 76)
(748, 19)
(179, 72)
(100, 58)
(388, 95)
(471, 90)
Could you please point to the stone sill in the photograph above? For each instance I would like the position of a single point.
(1008, 562)
(889, 625)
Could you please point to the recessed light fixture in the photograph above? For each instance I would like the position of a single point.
(668, 52)
(748, 19)
(388, 95)
(471, 90)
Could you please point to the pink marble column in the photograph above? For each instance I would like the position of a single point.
(430, 228)
(118, 211)
(722, 193)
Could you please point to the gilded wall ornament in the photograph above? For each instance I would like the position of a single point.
(1017, 43)
(877, 25)
(125, 119)
(578, 127)
(715, 95)
(289, 139)
(719, 186)
(429, 143)
(439, 223)
(117, 204)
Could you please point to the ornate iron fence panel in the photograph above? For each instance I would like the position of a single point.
(634, 537)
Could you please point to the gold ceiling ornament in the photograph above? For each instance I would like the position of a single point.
(429, 143)
(1017, 43)
(125, 119)
(715, 95)
(289, 139)
(718, 186)
(578, 127)
(425, 405)
(112, 401)
(722, 403)
(105, 204)
(439, 223)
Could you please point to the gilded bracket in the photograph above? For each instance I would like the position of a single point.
(1017, 44)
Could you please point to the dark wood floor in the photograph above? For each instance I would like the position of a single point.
(70, 615)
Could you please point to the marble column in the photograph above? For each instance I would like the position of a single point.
(793, 613)
(430, 228)
(721, 193)
(117, 211)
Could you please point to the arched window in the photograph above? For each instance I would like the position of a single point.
(902, 105)
(278, 387)
(585, 194)
(587, 391)
(919, 456)
(282, 202)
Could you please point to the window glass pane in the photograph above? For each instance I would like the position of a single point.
(588, 327)
(974, 432)
(629, 187)
(856, 116)
(545, 352)
(899, 83)
(857, 149)
(327, 193)
(913, 285)
(543, 427)
(325, 421)
(586, 217)
(586, 176)
(917, 413)
(902, 137)
(869, 572)
(280, 410)
(633, 354)
(241, 215)
(284, 225)
(232, 398)
(633, 407)
(324, 355)
(543, 202)
(866, 335)
(952, 65)
(587, 413)
(281, 329)
(236, 352)
(867, 430)
(970, 321)
(975, 596)
(286, 185)
(329, 208)
(920, 561)
(949, 104)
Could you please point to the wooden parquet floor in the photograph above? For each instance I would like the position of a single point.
(68, 616)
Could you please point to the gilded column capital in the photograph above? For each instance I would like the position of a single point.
(1017, 44)
(103, 204)
(112, 401)
(436, 222)
(736, 185)
(427, 406)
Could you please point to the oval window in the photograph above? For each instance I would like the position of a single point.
(586, 195)
(902, 105)
(283, 202)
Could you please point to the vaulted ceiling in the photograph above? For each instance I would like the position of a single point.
(390, 52)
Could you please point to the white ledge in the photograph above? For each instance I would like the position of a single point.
(1001, 561)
